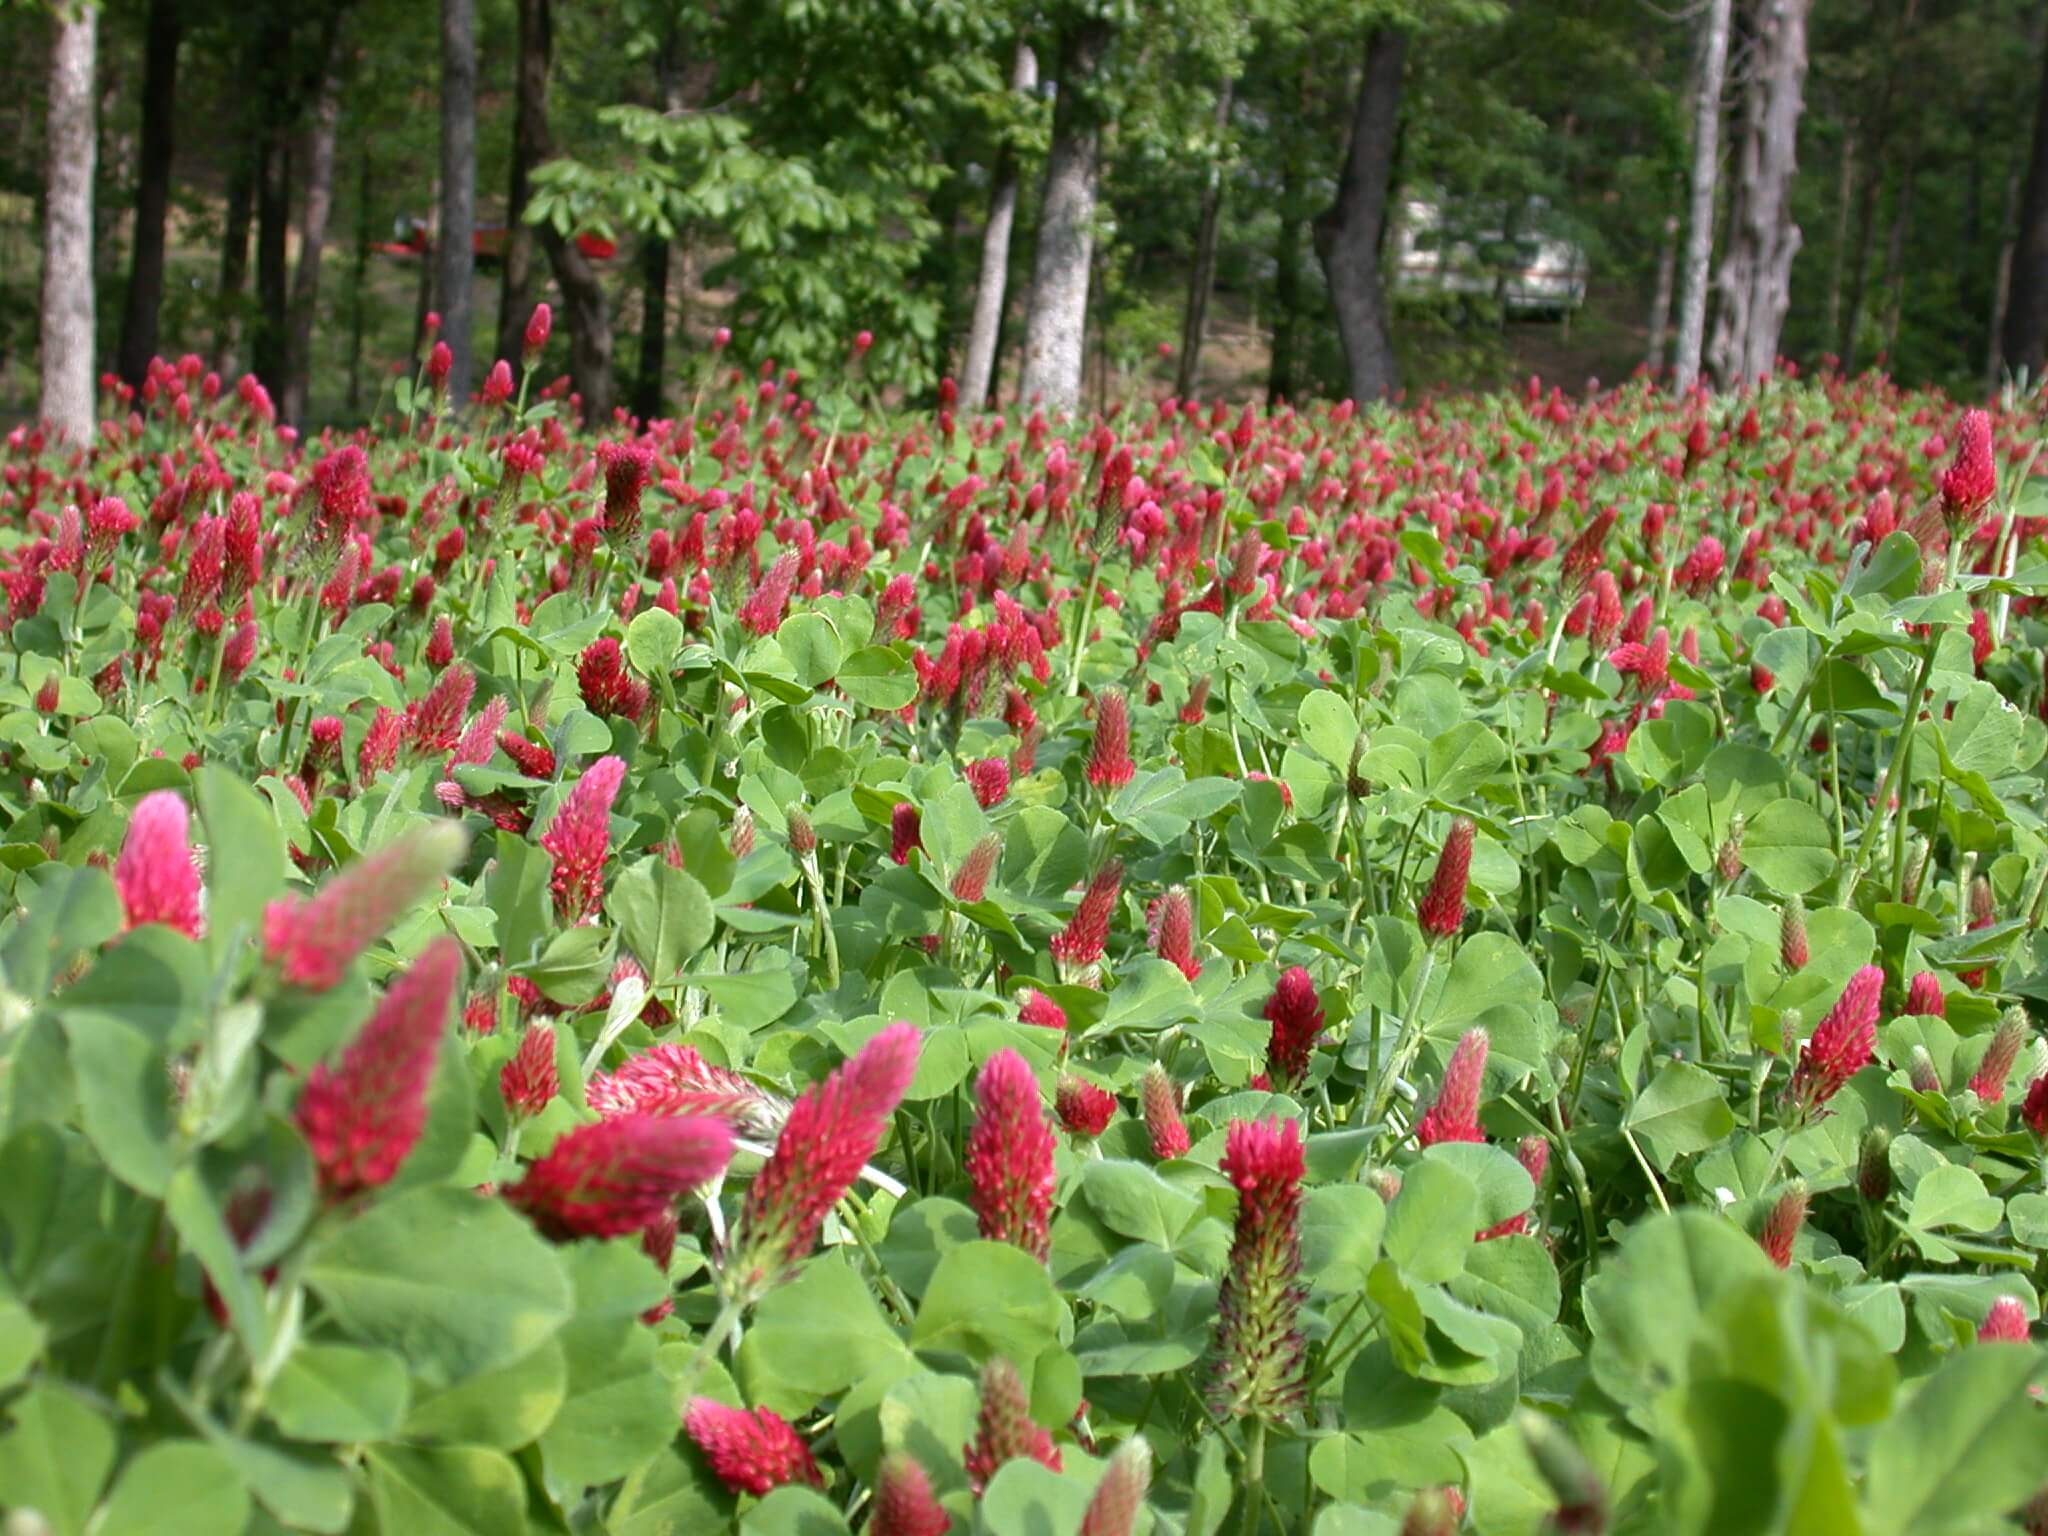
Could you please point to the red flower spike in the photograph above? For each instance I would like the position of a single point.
(2034, 1107)
(434, 723)
(989, 778)
(1087, 932)
(1009, 1156)
(1005, 1431)
(1260, 1352)
(904, 1502)
(1533, 1153)
(528, 1082)
(1170, 929)
(1840, 1045)
(905, 829)
(674, 1079)
(1442, 909)
(627, 468)
(621, 1175)
(1163, 1123)
(2006, 1323)
(311, 942)
(1083, 1108)
(362, 1114)
(1034, 1007)
(1432, 1514)
(155, 876)
(1969, 483)
(1296, 1014)
(1455, 1114)
(750, 1450)
(1109, 755)
(970, 880)
(1782, 1226)
(2007, 1041)
(1924, 995)
(1113, 1508)
(579, 838)
(830, 1134)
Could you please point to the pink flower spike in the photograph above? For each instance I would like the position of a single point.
(1455, 1114)
(1170, 928)
(154, 874)
(1442, 909)
(831, 1132)
(1086, 935)
(1005, 1431)
(1841, 1045)
(1109, 755)
(1969, 483)
(1782, 1226)
(1084, 1109)
(528, 1082)
(579, 838)
(1034, 1007)
(904, 1502)
(1009, 1156)
(1163, 1123)
(362, 1114)
(2007, 1041)
(621, 1175)
(1260, 1351)
(2006, 1323)
(312, 942)
(1296, 1014)
(1113, 1508)
(750, 1450)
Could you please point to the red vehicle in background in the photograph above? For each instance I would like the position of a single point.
(413, 238)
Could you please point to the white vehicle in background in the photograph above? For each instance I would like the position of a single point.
(1528, 273)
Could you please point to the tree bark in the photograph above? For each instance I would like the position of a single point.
(1845, 194)
(67, 298)
(2026, 320)
(1348, 235)
(529, 146)
(1203, 280)
(1880, 124)
(654, 266)
(977, 372)
(1660, 296)
(313, 220)
(1754, 282)
(1895, 255)
(144, 302)
(1286, 291)
(1699, 217)
(1055, 331)
(359, 286)
(234, 261)
(455, 268)
(273, 221)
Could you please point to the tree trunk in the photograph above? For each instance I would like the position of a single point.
(977, 373)
(152, 189)
(2026, 319)
(654, 265)
(1055, 330)
(1699, 215)
(1203, 280)
(1348, 235)
(1845, 194)
(234, 261)
(67, 320)
(305, 292)
(590, 324)
(529, 145)
(1286, 291)
(359, 286)
(273, 229)
(1895, 256)
(455, 268)
(1879, 124)
(1660, 296)
(1755, 278)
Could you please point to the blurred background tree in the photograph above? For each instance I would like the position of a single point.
(1075, 196)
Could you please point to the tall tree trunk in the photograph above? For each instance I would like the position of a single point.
(2001, 285)
(1348, 235)
(1895, 273)
(654, 265)
(455, 270)
(1660, 296)
(359, 286)
(152, 189)
(234, 260)
(2026, 320)
(1879, 127)
(273, 229)
(319, 207)
(67, 320)
(1712, 70)
(1286, 289)
(1754, 282)
(1203, 280)
(977, 372)
(529, 144)
(1845, 194)
(1056, 328)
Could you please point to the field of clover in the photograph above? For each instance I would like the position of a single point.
(822, 967)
